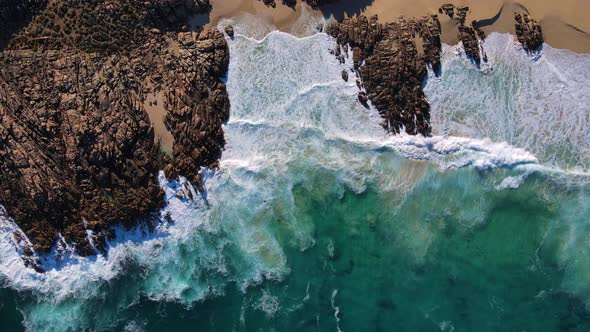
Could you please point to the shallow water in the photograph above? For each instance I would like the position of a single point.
(320, 221)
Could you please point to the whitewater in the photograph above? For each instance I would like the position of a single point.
(319, 220)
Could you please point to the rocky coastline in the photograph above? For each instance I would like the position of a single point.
(391, 59)
(77, 148)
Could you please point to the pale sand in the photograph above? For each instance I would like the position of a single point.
(566, 23)
(282, 17)
(154, 106)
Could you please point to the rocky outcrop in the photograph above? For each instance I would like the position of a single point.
(229, 30)
(105, 25)
(447, 9)
(470, 36)
(197, 103)
(528, 32)
(317, 3)
(391, 66)
(77, 151)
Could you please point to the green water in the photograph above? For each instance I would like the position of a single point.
(409, 265)
(453, 253)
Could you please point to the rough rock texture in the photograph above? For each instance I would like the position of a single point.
(77, 151)
(469, 35)
(229, 29)
(392, 71)
(104, 25)
(448, 9)
(528, 32)
(197, 102)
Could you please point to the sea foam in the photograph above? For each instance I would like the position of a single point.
(538, 103)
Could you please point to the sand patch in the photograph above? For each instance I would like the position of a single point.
(154, 106)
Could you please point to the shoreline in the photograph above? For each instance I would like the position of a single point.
(564, 25)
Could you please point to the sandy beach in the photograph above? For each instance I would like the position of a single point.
(565, 23)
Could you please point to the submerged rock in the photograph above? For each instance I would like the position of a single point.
(345, 75)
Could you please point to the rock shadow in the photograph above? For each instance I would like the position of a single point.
(15, 15)
(344, 8)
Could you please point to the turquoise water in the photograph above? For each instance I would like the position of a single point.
(320, 221)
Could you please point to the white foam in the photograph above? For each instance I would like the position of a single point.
(541, 104)
(267, 303)
(312, 104)
(336, 309)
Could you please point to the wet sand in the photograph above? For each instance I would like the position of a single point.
(565, 23)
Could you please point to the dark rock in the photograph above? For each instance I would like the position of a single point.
(470, 42)
(229, 30)
(528, 32)
(104, 25)
(318, 3)
(363, 99)
(270, 3)
(448, 9)
(77, 150)
(172, 14)
(14, 14)
(470, 36)
(345, 75)
(391, 70)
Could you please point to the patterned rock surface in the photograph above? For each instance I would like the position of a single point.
(77, 150)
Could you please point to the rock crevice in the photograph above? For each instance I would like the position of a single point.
(391, 67)
(77, 150)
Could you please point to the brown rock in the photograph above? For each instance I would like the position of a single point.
(528, 32)
(469, 35)
(390, 67)
(77, 150)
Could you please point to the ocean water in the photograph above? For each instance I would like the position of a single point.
(320, 221)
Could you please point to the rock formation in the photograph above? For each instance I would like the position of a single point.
(77, 150)
(528, 32)
(391, 66)
(229, 29)
(469, 35)
(197, 102)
